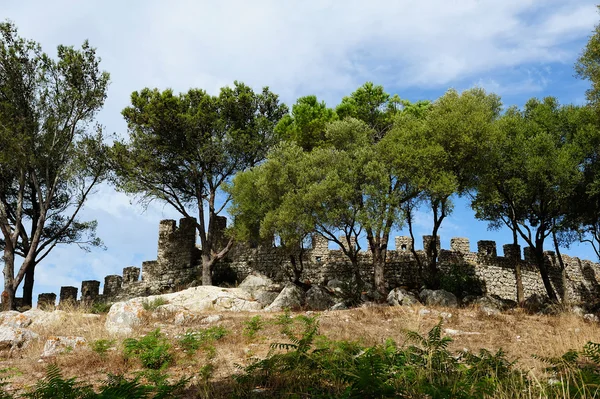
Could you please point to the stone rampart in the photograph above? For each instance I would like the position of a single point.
(178, 265)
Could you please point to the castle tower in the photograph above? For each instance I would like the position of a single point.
(403, 244)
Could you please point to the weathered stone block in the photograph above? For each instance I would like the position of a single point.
(512, 251)
(460, 244)
(90, 290)
(131, 274)
(46, 301)
(112, 285)
(404, 244)
(68, 295)
(486, 248)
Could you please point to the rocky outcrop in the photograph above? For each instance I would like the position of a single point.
(57, 345)
(14, 337)
(291, 297)
(439, 298)
(318, 298)
(402, 297)
(123, 317)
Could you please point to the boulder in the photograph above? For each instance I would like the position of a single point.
(256, 282)
(12, 318)
(535, 303)
(45, 319)
(438, 298)
(265, 298)
(317, 298)
(14, 337)
(490, 305)
(401, 297)
(291, 297)
(123, 317)
(57, 345)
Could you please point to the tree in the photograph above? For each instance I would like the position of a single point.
(455, 132)
(536, 168)
(183, 148)
(307, 123)
(49, 160)
(588, 66)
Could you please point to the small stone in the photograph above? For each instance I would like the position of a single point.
(57, 345)
(211, 319)
(592, 318)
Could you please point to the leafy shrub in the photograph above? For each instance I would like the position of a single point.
(100, 307)
(102, 346)
(54, 386)
(253, 326)
(576, 372)
(314, 366)
(459, 281)
(153, 350)
(191, 341)
(153, 304)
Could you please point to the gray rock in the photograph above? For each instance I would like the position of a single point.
(317, 298)
(291, 297)
(490, 305)
(401, 297)
(450, 331)
(265, 298)
(438, 298)
(211, 319)
(123, 317)
(13, 337)
(535, 303)
(46, 319)
(255, 282)
(57, 345)
(424, 312)
(339, 306)
(592, 318)
(12, 318)
(578, 310)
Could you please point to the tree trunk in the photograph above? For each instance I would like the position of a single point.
(539, 255)
(518, 272)
(563, 272)
(28, 286)
(379, 270)
(207, 270)
(8, 296)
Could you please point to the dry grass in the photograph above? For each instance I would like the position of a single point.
(519, 334)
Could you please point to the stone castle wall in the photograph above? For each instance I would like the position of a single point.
(178, 265)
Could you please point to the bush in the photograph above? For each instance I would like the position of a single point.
(253, 326)
(102, 346)
(191, 341)
(153, 350)
(100, 307)
(153, 304)
(459, 281)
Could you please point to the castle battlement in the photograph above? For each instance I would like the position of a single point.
(178, 266)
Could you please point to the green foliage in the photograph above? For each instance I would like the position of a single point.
(191, 341)
(153, 350)
(253, 326)
(153, 304)
(314, 366)
(100, 307)
(459, 281)
(101, 346)
(55, 386)
(576, 372)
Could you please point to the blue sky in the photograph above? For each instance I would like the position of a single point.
(416, 48)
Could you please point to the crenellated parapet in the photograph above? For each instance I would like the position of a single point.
(177, 266)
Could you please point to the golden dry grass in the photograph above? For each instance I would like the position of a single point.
(519, 334)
